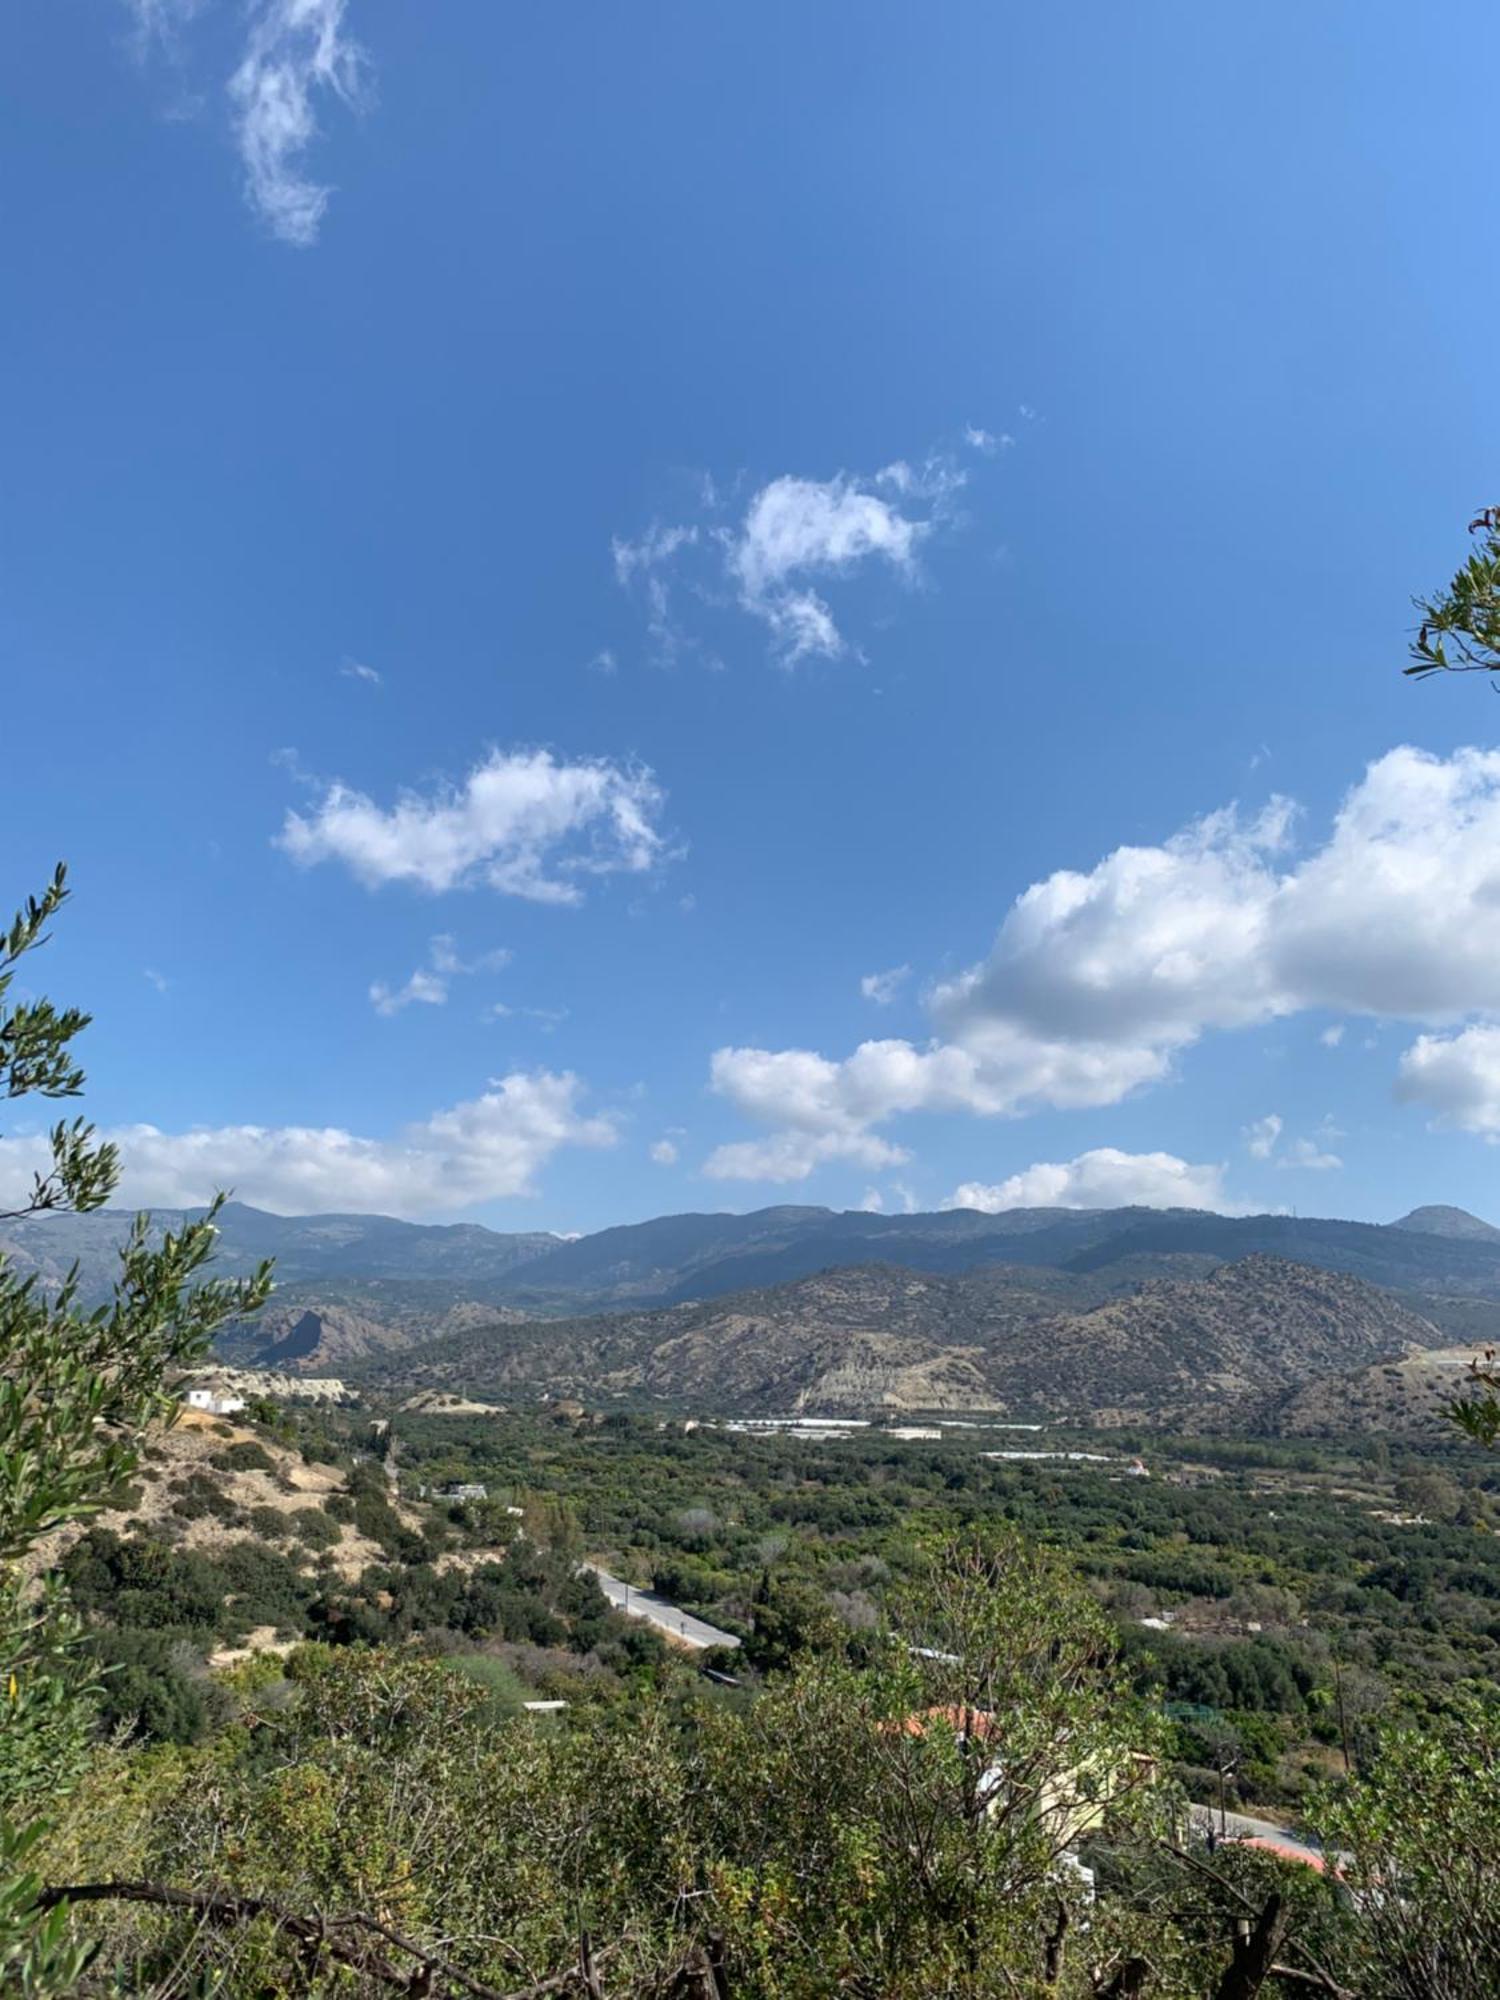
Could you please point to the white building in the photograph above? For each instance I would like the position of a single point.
(215, 1402)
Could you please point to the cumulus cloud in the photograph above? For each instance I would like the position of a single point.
(489, 1147)
(1261, 1137)
(1307, 1153)
(1103, 1178)
(1457, 1077)
(1331, 1037)
(522, 822)
(1098, 979)
(297, 52)
(664, 1152)
(882, 987)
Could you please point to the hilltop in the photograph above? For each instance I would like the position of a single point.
(1440, 1220)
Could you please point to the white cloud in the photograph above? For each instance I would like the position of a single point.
(1457, 1077)
(547, 1018)
(882, 987)
(422, 986)
(1103, 1178)
(429, 984)
(157, 979)
(356, 670)
(522, 823)
(1261, 1137)
(1097, 980)
(792, 1156)
(795, 536)
(1331, 1037)
(872, 1202)
(1141, 952)
(826, 1108)
(297, 50)
(160, 20)
(797, 528)
(490, 1147)
(657, 546)
(1308, 1154)
(664, 1153)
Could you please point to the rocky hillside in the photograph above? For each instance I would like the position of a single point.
(1402, 1399)
(878, 1337)
(1204, 1344)
(314, 1329)
(206, 1482)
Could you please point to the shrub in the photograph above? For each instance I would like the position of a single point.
(314, 1527)
(246, 1456)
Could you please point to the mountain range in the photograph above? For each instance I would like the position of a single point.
(1116, 1311)
(675, 1258)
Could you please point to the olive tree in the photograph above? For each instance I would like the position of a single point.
(79, 1382)
(1460, 628)
(1419, 1836)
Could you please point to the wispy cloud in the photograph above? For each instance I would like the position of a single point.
(882, 987)
(657, 546)
(161, 21)
(796, 536)
(546, 1018)
(297, 52)
(429, 983)
(988, 442)
(356, 670)
(154, 978)
(524, 823)
(1261, 1137)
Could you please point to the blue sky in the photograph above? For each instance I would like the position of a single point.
(545, 551)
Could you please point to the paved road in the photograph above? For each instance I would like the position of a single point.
(1242, 1827)
(669, 1618)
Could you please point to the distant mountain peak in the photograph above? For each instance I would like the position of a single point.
(1438, 1219)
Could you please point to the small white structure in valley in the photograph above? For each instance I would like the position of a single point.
(215, 1402)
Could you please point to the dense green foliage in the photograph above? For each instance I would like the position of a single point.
(77, 1386)
(1291, 1577)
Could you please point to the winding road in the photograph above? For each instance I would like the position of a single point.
(669, 1618)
